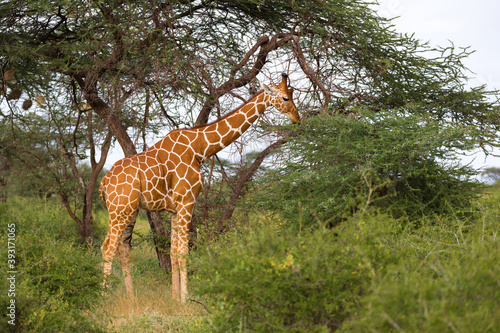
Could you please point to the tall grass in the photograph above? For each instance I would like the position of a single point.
(59, 282)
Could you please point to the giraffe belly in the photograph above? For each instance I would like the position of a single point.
(155, 201)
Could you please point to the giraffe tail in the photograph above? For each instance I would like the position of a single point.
(102, 188)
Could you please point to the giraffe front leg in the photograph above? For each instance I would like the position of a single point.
(183, 222)
(179, 251)
(183, 274)
(174, 258)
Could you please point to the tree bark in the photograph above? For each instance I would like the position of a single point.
(161, 237)
(87, 216)
(113, 120)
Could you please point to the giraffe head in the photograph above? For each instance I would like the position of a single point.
(281, 98)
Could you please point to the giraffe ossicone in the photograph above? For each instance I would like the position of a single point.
(167, 177)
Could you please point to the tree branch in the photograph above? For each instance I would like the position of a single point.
(309, 72)
(72, 163)
(266, 45)
(104, 150)
(91, 94)
(162, 108)
(244, 178)
(64, 201)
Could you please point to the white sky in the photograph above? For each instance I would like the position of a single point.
(463, 22)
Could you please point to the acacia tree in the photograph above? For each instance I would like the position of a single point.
(188, 60)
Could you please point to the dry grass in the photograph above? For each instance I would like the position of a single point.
(151, 311)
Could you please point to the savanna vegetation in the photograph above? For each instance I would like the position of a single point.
(361, 219)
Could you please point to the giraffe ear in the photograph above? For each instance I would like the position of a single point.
(268, 90)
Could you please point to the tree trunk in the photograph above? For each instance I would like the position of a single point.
(161, 239)
(83, 231)
(87, 217)
(3, 195)
(88, 203)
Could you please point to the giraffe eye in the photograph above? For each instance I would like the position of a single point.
(286, 99)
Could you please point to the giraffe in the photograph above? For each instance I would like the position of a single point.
(167, 177)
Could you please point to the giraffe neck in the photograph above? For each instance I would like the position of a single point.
(221, 133)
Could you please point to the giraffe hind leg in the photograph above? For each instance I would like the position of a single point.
(112, 243)
(123, 253)
(107, 256)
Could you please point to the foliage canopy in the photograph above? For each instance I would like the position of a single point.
(401, 161)
(148, 65)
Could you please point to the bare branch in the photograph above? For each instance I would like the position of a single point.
(71, 161)
(266, 46)
(310, 72)
(162, 108)
(244, 178)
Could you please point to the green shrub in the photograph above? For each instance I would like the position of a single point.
(58, 281)
(399, 162)
(459, 295)
(272, 281)
(370, 273)
(447, 279)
